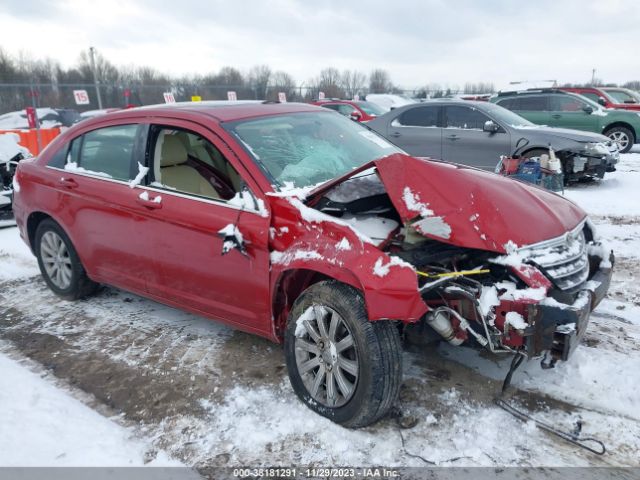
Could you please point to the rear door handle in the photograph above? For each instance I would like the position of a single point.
(453, 137)
(556, 115)
(67, 182)
(395, 134)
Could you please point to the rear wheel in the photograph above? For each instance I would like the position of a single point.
(59, 262)
(622, 136)
(340, 364)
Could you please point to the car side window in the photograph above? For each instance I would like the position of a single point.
(465, 118)
(332, 106)
(419, 117)
(507, 103)
(591, 96)
(346, 109)
(106, 152)
(566, 103)
(530, 103)
(188, 163)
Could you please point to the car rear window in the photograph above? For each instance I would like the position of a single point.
(106, 151)
(420, 117)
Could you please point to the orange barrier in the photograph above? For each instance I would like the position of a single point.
(29, 138)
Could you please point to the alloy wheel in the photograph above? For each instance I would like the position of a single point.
(56, 259)
(326, 356)
(621, 138)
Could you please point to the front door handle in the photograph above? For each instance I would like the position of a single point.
(395, 134)
(67, 182)
(453, 137)
(556, 115)
(154, 204)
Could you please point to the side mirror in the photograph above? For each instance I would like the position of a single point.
(490, 126)
(588, 109)
(602, 101)
(355, 116)
(232, 239)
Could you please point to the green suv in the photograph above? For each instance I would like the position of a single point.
(562, 109)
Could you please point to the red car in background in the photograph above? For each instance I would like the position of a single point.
(609, 97)
(299, 225)
(359, 110)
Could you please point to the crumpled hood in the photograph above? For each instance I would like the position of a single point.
(567, 133)
(472, 208)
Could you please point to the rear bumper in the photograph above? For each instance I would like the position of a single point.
(558, 328)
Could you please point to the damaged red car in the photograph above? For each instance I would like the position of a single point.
(291, 222)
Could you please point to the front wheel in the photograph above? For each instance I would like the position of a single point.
(340, 364)
(622, 136)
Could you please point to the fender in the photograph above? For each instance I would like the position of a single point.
(321, 243)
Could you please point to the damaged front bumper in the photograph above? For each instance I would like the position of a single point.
(556, 328)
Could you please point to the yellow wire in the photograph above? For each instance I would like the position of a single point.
(452, 274)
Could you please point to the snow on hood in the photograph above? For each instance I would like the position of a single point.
(10, 147)
(479, 209)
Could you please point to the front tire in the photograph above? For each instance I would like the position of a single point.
(622, 136)
(59, 262)
(340, 364)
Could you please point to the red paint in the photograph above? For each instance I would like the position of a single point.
(32, 119)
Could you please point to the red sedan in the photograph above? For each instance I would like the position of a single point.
(299, 225)
(609, 97)
(359, 110)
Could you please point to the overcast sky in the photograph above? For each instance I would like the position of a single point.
(417, 41)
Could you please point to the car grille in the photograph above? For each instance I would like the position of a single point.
(564, 259)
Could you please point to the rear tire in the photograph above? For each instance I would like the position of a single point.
(341, 365)
(622, 136)
(59, 263)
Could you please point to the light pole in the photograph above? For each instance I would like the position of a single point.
(95, 75)
(593, 77)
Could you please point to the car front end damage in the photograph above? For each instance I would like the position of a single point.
(534, 301)
(507, 267)
(589, 159)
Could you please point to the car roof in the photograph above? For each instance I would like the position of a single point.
(223, 111)
(533, 91)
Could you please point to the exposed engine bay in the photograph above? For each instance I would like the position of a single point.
(535, 300)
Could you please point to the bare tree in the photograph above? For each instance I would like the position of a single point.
(282, 82)
(353, 82)
(259, 77)
(379, 81)
(329, 82)
(633, 85)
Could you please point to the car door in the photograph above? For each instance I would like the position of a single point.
(465, 141)
(570, 111)
(417, 131)
(99, 209)
(198, 190)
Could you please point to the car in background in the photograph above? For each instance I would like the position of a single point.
(97, 113)
(479, 133)
(359, 110)
(48, 117)
(556, 108)
(389, 101)
(609, 97)
(213, 209)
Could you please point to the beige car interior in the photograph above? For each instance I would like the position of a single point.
(171, 170)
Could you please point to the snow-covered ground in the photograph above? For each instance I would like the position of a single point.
(45, 425)
(209, 396)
